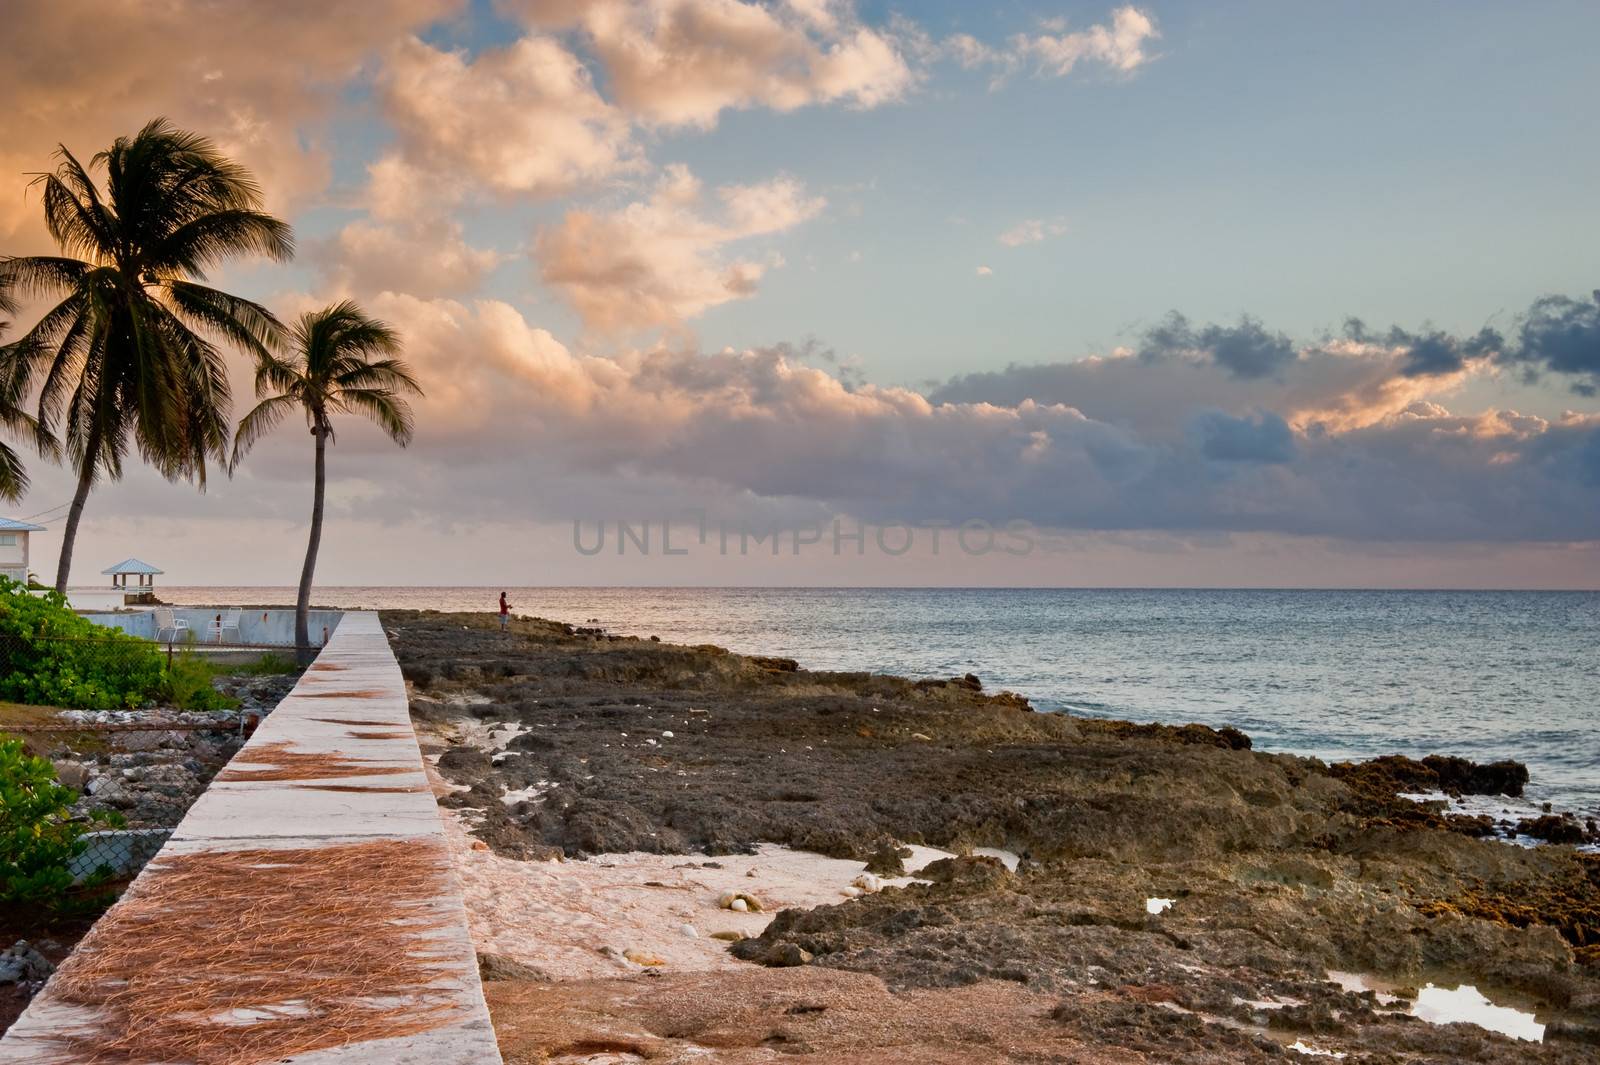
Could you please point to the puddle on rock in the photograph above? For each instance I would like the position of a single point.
(1439, 1004)
(1009, 859)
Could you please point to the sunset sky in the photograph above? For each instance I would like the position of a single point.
(1232, 293)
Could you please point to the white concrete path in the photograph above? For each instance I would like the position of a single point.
(237, 815)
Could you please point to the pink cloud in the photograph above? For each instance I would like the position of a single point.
(521, 119)
(261, 79)
(660, 261)
(683, 62)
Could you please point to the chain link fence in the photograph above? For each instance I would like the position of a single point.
(135, 780)
(137, 729)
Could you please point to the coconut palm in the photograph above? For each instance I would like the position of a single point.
(129, 355)
(341, 362)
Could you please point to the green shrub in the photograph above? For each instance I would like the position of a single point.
(268, 664)
(188, 685)
(53, 657)
(37, 837)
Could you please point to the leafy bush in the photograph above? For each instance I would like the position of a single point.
(51, 656)
(37, 838)
(268, 664)
(188, 685)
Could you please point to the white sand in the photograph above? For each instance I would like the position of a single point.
(575, 919)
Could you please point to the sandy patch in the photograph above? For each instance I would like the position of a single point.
(574, 920)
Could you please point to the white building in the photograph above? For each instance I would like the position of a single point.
(14, 548)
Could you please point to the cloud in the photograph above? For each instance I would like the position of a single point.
(1433, 352)
(759, 430)
(1120, 46)
(522, 119)
(1245, 350)
(1562, 335)
(1032, 231)
(684, 62)
(260, 79)
(1337, 384)
(1263, 437)
(663, 260)
(427, 258)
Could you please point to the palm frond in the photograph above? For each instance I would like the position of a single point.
(73, 212)
(202, 242)
(13, 476)
(261, 420)
(248, 325)
(35, 276)
(391, 413)
(391, 374)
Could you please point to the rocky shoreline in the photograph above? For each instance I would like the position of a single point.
(1176, 895)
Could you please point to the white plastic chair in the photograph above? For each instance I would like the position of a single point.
(167, 621)
(228, 619)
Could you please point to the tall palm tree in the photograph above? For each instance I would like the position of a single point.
(341, 362)
(129, 355)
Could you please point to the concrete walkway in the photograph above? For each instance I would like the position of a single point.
(355, 679)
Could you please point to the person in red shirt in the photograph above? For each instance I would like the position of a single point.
(505, 611)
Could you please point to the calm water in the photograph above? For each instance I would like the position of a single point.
(1335, 674)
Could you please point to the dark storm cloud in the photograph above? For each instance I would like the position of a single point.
(1562, 335)
(1431, 353)
(1244, 350)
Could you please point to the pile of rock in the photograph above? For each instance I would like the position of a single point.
(151, 776)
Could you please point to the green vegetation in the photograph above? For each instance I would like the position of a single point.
(269, 664)
(38, 838)
(50, 656)
(188, 684)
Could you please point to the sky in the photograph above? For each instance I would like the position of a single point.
(1032, 293)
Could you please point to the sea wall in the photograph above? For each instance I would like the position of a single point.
(330, 792)
(273, 627)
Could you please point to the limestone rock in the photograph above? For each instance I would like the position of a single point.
(786, 955)
(644, 958)
(21, 964)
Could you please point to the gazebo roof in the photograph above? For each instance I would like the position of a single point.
(13, 525)
(131, 565)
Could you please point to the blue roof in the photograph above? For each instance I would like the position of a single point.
(131, 565)
(13, 525)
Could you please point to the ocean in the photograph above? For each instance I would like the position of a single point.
(1334, 674)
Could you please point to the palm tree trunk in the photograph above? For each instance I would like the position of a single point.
(69, 532)
(302, 603)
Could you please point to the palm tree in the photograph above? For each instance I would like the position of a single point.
(127, 357)
(342, 362)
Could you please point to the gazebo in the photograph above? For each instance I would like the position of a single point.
(144, 588)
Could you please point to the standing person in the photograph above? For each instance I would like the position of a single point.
(505, 612)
